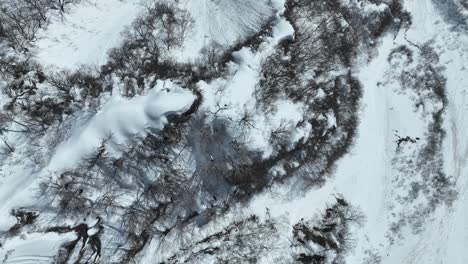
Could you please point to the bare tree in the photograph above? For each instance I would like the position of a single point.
(314, 239)
(21, 20)
(62, 4)
(211, 57)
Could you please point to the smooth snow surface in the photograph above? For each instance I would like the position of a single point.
(120, 121)
(85, 34)
(222, 22)
(34, 248)
(226, 22)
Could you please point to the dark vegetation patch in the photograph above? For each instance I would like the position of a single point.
(328, 37)
(24, 218)
(327, 238)
(454, 12)
(238, 242)
(424, 173)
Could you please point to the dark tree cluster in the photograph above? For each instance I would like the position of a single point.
(20, 21)
(315, 68)
(328, 238)
(417, 70)
(236, 243)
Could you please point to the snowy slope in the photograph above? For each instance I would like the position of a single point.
(446, 235)
(222, 23)
(367, 176)
(33, 248)
(84, 34)
(140, 155)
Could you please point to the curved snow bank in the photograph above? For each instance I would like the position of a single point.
(86, 33)
(121, 120)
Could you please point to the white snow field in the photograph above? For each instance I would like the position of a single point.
(85, 33)
(222, 22)
(33, 248)
(226, 22)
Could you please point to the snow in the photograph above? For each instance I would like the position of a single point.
(85, 34)
(365, 176)
(223, 22)
(226, 22)
(361, 175)
(446, 237)
(33, 248)
(237, 91)
(457, 154)
(283, 30)
(120, 121)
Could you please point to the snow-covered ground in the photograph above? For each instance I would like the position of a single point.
(222, 23)
(445, 238)
(367, 176)
(33, 248)
(119, 122)
(363, 175)
(91, 28)
(85, 33)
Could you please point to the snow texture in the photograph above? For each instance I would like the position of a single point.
(83, 36)
(369, 176)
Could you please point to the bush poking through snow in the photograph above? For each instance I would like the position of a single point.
(418, 72)
(327, 239)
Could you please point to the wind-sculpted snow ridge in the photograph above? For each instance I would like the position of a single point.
(119, 121)
(217, 131)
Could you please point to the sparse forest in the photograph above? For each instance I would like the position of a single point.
(156, 156)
